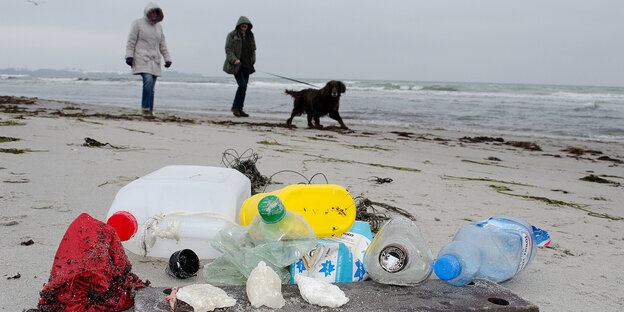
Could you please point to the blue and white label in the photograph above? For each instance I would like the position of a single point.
(339, 258)
(329, 261)
(515, 228)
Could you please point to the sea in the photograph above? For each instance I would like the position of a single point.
(489, 109)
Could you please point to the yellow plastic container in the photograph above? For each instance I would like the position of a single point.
(328, 208)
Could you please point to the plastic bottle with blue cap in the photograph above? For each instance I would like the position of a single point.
(495, 249)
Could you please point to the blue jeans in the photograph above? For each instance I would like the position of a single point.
(147, 102)
(242, 78)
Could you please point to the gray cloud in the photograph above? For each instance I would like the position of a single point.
(552, 42)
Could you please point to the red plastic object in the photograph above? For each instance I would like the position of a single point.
(124, 223)
(91, 272)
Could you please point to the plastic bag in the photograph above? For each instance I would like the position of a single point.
(243, 247)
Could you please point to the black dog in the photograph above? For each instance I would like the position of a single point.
(316, 103)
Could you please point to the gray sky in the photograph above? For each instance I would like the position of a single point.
(530, 41)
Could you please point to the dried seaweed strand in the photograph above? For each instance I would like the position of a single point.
(505, 190)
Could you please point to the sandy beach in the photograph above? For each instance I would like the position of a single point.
(445, 179)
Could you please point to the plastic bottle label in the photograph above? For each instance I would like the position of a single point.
(513, 228)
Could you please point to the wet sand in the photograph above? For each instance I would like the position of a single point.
(574, 189)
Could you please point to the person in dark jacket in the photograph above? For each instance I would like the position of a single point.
(240, 57)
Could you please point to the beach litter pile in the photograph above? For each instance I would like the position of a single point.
(305, 236)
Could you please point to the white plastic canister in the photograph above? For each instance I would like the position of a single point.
(178, 207)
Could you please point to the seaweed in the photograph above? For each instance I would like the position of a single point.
(164, 118)
(505, 190)
(4, 139)
(597, 179)
(363, 163)
(245, 163)
(375, 147)
(531, 146)
(11, 123)
(247, 123)
(607, 158)
(481, 139)
(381, 180)
(140, 131)
(483, 179)
(89, 142)
(267, 142)
(580, 151)
(322, 139)
(7, 99)
(485, 163)
(22, 180)
(403, 134)
(16, 150)
(374, 218)
(391, 167)
(89, 121)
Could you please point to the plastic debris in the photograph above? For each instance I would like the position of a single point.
(276, 236)
(90, 272)
(166, 210)
(320, 293)
(172, 298)
(328, 208)
(205, 297)
(399, 255)
(496, 249)
(264, 287)
(337, 259)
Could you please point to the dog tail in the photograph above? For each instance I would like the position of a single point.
(292, 93)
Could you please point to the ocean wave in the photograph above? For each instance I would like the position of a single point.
(441, 88)
(9, 76)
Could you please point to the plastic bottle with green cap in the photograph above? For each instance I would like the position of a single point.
(274, 223)
(277, 236)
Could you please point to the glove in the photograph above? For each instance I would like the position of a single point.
(129, 61)
(167, 64)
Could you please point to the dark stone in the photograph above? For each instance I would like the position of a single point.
(433, 295)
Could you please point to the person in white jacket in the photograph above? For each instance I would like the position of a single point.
(146, 43)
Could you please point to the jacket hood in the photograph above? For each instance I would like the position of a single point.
(244, 20)
(159, 13)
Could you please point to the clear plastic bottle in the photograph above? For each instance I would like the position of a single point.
(495, 249)
(275, 223)
(276, 236)
(398, 254)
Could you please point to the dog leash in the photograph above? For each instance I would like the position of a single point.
(295, 80)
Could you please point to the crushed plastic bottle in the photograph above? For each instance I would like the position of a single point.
(398, 254)
(495, 249)
(276, 236)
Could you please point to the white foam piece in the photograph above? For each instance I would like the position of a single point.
(320, 293)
